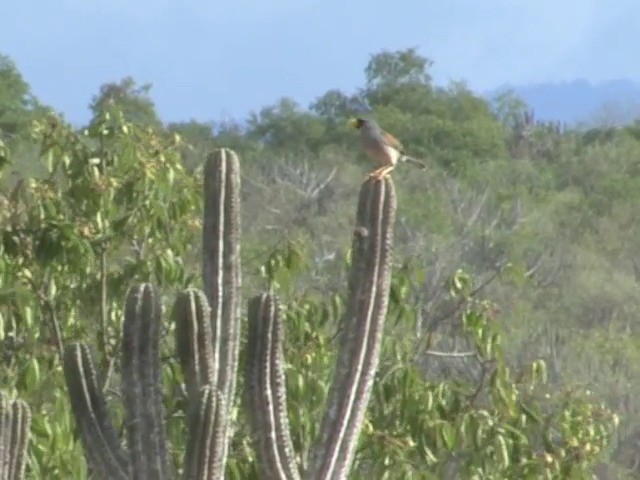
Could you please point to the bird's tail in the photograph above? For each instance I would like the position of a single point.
(415, 161)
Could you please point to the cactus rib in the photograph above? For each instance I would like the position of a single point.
(369, 283)
(266, 391)
(15, 421)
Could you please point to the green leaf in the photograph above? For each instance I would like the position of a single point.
(448, 434)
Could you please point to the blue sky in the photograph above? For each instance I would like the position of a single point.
(211, 59)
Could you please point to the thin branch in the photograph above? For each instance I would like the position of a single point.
(47, 305)
(104, 313)
(473, 293)
(486, 370)
(324, 183)
(474, 216)
(436, 353)
(534, 268)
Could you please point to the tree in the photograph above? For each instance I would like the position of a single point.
(131, 99)
(396, 68)
(286, 125)
(193, 132)
(400, 79)
(197, 138)
(334, 105)
(509, 108)
(16, 100)
(452, 125)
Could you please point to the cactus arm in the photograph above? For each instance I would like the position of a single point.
(15, 422)
(144, 411)
(204, 456)
(221, 268)
(266, 392)
(194, 342)
(206, 430)
(360, 343)
(102, 447)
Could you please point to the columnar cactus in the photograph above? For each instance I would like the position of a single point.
(15, 421)
(221, 273)
(208, 342)
(204, 458)
(357, 362)
(146, 456)
(144, 412)
(208, 411)
(208, 338)
(105, 455)
(194, 342)
(266, 396)
(363, 322)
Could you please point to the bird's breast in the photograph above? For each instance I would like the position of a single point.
(382, 154)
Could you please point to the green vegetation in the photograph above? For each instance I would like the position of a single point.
(509, 344)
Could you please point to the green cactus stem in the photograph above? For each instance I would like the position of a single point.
(361, 337)
(266, 392)
(15, 422)
(146, 457)
(206, 430)
(205, 457)
(194, 342)
(221, 269)
(144, 411)
(104, 453)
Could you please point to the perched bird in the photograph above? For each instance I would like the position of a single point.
(385, 149)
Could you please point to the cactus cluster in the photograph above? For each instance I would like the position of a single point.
(208, 327)
(15, 421)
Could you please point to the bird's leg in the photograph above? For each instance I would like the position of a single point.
(383, 172)
(375, 173)
(380, 173)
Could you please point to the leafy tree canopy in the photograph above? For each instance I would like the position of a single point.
(133, 100)
(17, 103)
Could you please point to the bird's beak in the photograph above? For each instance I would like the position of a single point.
(352, 122)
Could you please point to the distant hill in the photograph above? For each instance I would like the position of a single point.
(612, 102)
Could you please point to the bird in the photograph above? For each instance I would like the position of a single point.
(385, 149)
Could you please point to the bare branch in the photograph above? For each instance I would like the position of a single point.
(436, 353)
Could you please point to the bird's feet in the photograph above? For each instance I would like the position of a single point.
(379, 174)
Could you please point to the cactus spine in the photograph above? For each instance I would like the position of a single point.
(15, 421)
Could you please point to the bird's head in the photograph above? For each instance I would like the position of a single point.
(356, 122)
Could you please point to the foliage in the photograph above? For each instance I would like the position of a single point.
(72, 242)
(18, 106)
(128, 98)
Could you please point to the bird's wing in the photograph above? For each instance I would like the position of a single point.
(392, 141)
